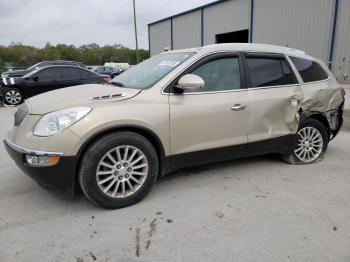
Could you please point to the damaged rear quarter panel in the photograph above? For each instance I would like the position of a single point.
(323, 97)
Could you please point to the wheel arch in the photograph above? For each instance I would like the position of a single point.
(321, 118)
(145, 132)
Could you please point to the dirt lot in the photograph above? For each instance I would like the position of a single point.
(256, 209)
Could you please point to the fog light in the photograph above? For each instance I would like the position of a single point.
(42, 160)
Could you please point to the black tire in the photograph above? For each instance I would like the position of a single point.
(313, 123)
(17, 91)
(96, 152)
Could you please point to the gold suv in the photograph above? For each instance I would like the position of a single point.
(177, 109)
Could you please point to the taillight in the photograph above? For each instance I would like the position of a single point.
(107, 78)
(343, 92)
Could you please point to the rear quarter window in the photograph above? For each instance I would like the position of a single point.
(310, 71)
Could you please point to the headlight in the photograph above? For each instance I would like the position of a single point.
(55, 122)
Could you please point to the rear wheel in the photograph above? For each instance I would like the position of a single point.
(312, 142)
(13, 96)
(118, 170)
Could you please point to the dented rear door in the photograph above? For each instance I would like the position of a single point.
(274, 100)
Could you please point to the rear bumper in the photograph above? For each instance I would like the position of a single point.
(59, 177)
(339, 121)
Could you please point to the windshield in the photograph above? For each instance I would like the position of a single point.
(147, 73)
(31, 73)
(34, 66)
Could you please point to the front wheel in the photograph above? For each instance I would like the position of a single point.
(312, 142)
(118, 170)
(13, 97)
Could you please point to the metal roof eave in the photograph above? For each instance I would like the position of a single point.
(187, 12)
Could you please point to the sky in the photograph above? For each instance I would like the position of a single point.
(78, 22)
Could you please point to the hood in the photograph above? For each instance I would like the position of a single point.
(92, 95)
(16, 73)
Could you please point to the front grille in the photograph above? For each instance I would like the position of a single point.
(21, 112)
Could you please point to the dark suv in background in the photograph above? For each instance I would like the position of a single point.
(13, 91)
(22, 72)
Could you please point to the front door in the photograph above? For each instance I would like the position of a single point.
(43, 81)
(211, 121)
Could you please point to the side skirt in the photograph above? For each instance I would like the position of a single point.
(280, 145)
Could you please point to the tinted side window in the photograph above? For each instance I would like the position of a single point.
(70, 73)
(266, 71)
(49, 74)
(219, 75)
(309, 71)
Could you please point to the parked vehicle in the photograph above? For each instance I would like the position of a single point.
(120, 66)
(112, 72)
(177, 109)
(22, 72)
(91, 67)
(13, 91)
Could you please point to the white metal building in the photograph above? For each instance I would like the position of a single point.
(319, 27)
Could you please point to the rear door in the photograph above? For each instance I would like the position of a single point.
(70, 77)
(274, 98)
(211, 122)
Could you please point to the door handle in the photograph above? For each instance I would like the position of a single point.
(238, 107)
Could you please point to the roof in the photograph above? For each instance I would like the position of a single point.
(251, 47)
(188, 11)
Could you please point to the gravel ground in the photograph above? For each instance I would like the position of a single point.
(256, 209)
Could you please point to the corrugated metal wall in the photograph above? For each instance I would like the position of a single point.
(160, 36)
(300, 24)
(187, 30)
(225, 17)
(341, 61)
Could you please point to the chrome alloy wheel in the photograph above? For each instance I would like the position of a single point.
(122, 171)
(310, 144)
(13, 97)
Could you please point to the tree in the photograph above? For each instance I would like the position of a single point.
(19, 55)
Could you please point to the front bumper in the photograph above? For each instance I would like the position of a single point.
(1, 95)
(59, 177)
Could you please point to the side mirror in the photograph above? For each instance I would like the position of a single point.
(36, 78)
(190, 81)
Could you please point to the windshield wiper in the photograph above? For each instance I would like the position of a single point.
(117, 84)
